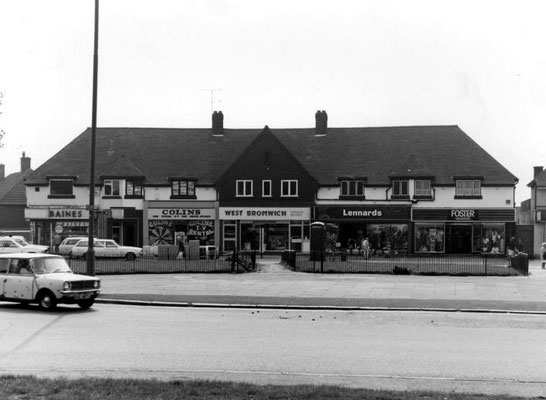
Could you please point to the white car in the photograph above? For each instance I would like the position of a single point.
(11, 244)
(45, 279)
(65, 247)
(106, 248)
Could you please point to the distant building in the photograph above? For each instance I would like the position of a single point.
(416, 189)
(13, 200)
(537, 207)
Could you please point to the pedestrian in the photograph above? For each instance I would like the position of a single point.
(512, 247)
(180, 240)
(543, 254)
(365, 248)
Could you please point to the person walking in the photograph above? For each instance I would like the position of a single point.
(543, 255)
(365, 248)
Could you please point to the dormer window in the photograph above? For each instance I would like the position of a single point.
(468, 188)
(183, 188)
(352, 187)
(400, 188)
(423, 188)
(112, 187)
(134, 189)
(61, 188)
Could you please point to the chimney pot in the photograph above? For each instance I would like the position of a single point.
(25, 162)
(321, 122)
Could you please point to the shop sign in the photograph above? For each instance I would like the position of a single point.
(463, 215)
(363, 213)
(265, 213)
(181, 213)
(67, 213)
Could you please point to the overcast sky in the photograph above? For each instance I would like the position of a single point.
(168, 63)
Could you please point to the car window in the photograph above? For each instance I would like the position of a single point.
(21, 242)
(82, 243)
(111, 243)
(4, 264)
(24, 267)
(72, 241)
(50, 265)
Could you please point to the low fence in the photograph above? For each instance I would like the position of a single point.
(405, 264)
(226, 262)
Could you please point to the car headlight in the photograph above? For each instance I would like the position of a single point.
(96, 284)
(66, 286)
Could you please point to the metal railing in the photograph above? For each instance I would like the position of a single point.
(322, 262)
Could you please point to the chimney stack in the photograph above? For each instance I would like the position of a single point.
(25, 163)
(217, 123)
(537, 171)
(321, 122)
(2, 171)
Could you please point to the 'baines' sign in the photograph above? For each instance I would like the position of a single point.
(265, 213)
(67, 213)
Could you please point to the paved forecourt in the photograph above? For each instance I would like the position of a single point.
(273, 285)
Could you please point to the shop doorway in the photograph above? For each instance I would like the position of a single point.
(264, 237)
(459, 239)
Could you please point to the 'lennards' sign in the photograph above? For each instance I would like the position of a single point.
(363, 213)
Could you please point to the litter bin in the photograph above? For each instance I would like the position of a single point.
(343, 254)
(520, 262)
(290, 257)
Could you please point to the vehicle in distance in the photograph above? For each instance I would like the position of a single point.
(45, 279)
(11, 244)
(106, 248)
(65, 247)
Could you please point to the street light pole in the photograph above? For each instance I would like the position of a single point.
(91, 241)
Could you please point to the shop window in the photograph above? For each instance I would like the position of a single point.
(387, 239)
(468, 188)
(400, 189)
(352, 188)
(493, 240)
(134, 189)
(61, 188)
(430, 238)
(266, 188)
(289, 188)
(112, 187)
(423, 188)
(183, 188)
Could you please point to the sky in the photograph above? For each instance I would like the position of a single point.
(478, 64)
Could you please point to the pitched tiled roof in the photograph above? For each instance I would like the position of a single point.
(12, 189)
(375, 153)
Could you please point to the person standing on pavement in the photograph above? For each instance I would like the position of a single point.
(543, 254)
(365, 248)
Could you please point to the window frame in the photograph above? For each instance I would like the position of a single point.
(69, 183)
(398, 185)
(468, 189)
(288, 183)
(244, 185)
(135, 186)
(351, 188)
(189, 191)
(270, 187)
(111, 183)
(422, 192)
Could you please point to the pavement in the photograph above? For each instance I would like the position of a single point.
(275, 286)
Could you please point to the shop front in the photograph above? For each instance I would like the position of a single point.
(463, 231)
(50, 225)
(386, 227)
(168, 221)
(265, 229)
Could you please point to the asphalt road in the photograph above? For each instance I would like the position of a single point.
(463, 352)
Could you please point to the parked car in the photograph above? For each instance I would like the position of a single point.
(12, 244)
(45, 279)
(106, 248)
(65, 247)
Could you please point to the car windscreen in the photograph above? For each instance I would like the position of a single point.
(21, 242)
(49, 265)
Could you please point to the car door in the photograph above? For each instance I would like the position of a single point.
(19, 280)
(100, 249)
(113, 249)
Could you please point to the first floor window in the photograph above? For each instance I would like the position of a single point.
(133, 188)
(61, 187)
(244, 188)
(183, 188)
(111, 187)
(422, 187)
(400, 188)
(289, 188)
(352, 188)
(468, 187)
(266, 188)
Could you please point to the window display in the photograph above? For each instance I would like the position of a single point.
(430, 238)
(493, 239)
(388, 239)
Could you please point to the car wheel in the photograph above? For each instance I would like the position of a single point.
(85, 304)
(130, 256)
(46, 301)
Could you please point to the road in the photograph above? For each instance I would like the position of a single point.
(472, 352)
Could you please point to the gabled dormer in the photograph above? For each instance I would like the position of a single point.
(265, 174)
(413, 180)
(122, 179)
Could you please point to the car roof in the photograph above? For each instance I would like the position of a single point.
(29, 255)
(75, 238)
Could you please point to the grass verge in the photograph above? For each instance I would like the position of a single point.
(31, 388)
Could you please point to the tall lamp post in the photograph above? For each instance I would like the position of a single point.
(91, 241)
